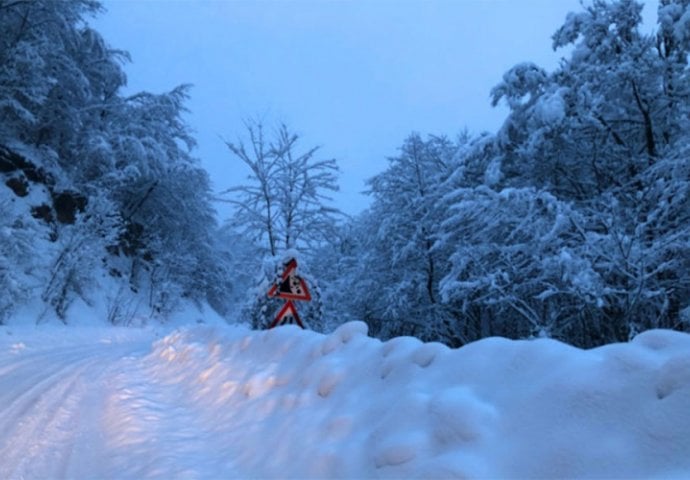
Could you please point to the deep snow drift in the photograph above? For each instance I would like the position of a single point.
(222, 402)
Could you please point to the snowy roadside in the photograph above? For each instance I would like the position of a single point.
(222, 402)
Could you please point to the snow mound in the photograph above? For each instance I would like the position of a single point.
(293, 403)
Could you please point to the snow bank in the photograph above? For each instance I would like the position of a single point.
(292, 403)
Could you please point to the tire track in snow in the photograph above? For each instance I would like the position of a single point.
(40, 435)
(42, 421)
(101, 411)
(30, 380)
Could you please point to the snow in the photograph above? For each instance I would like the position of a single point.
(218, 401)
(551, 108)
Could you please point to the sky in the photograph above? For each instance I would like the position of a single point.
(355, 77)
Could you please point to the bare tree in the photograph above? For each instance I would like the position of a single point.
(284, 202)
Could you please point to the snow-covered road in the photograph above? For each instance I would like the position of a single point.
(52, 403)
(94, 410)
(225, 402)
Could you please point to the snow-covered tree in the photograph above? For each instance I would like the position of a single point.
(517, 269)
(60, 100)
(285, 203)
(79, 256)
(21, 268)
(38, 40)
(396, 270)
(604, 115)
(569, 222)
(285, 209)
(598, 132)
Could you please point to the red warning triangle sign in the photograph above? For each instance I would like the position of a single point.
(291, 287)
(287, 316)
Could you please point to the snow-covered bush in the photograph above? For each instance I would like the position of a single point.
(21, 270)
(81, 255)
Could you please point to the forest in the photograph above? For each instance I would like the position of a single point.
(572, 221)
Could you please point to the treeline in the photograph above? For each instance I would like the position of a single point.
(572, 221)
(97, 181)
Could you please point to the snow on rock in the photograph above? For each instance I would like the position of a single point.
(226, 402)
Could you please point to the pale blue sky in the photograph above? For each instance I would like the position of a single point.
(353, 76)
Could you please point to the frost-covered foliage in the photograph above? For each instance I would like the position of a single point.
(571, 221)
(41, 73)
(385, 267)
(514, 256)
(394, 281)
(608, 132)
(284, 204)
(20, 270)
(124, 193)
(284, 210)
(79, 254)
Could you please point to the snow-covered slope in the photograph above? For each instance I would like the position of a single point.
(223, 402)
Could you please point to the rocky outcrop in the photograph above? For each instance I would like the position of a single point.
(21, 176)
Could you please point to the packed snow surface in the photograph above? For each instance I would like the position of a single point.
(226, 402)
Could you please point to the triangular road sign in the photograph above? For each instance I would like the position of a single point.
(290, 267)
(291, 287)
(287, 316)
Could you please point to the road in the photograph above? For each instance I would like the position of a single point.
(98, 411)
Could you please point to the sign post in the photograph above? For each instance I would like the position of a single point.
(291, 287)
